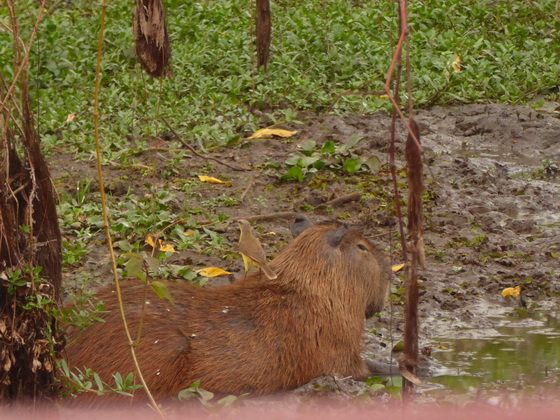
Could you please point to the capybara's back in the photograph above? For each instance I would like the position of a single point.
(256, 336)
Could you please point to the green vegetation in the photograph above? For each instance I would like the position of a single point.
(311, 159)
(207, 399)
(508, 50)
(89, 381)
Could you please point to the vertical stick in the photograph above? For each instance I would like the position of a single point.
(415, 247)
(263, 30)
(416, 250)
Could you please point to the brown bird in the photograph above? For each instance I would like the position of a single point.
(252, 251)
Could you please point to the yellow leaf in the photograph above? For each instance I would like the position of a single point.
(396, 268)
(189, 232)
(166, 248)
(456, 64)
(212, 272)
(267, 133)
(212, 180)
(162, 247)
(271, 233)
(150, 241)
(70, 118)
(511, 291)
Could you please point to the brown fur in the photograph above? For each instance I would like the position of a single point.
(252, 336)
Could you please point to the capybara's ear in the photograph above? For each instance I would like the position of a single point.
(335, 237)
(300, 224)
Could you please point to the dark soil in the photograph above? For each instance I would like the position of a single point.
(492, 210)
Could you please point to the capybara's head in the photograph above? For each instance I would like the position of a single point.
(329, 258)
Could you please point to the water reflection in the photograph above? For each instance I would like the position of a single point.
(519, 356)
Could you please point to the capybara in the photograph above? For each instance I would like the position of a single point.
(251, 336)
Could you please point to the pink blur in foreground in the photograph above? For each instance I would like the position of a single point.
(327, 410)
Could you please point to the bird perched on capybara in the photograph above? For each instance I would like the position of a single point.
(252, 336)
(252, 251)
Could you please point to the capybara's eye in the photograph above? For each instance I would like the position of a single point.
(362, 247)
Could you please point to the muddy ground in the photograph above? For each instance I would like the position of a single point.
(492, 211)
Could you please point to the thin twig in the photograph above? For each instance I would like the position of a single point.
(104, 210)
(341, 200)
(393, 167)
(4, 84)
(408, 79)
(379, 235)
(25, 60)
(188, 146)
(242, 198)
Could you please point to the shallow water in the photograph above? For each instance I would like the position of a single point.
(520, 354)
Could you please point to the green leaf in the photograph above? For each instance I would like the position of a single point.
(184, 394)
(353, 141)
(64, 366)
(118, 380)
(123, 245)
(227, 401)
(394, 391)
(396, 381)
(205, 395)
(126, 394)
(96, 221)
(307, 147)
(308, 161)
(53, 67)
(129, 380)
(377, 387)
(374, 380)
(293, 160)
(153, 264)
(352, 165)
(161, 290)
(373, 164)
(295, 173)
(398, 347)
(98, 382)
(319, 164)
(328, 147)
(135, 265)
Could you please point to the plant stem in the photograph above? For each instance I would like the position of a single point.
(104, 209)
